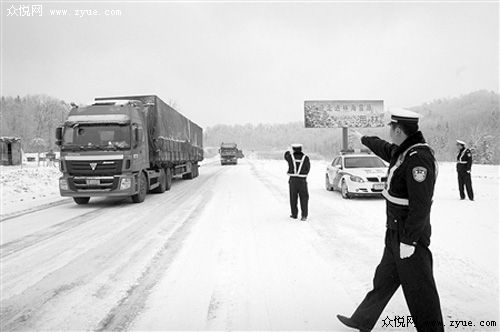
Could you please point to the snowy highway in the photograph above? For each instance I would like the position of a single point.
(220, 253)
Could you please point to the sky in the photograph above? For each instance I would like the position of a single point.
(229, 62)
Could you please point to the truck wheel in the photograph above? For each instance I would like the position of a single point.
(188, 176)
(196, 170)
(81, 200)
(163, 183)
(344, 190)
(191, 175)
(143, 189)
(168, 182)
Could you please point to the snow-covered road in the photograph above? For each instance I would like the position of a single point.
(220, 253)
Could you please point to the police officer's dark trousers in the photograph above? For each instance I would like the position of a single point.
(414, 274)
(298, 190)
(464, 180)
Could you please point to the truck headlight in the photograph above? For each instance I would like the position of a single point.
(63, 184)
(356, 179)
(125, 183)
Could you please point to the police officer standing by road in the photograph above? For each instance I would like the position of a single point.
(407, 260)
(464, 164)
(298, 168)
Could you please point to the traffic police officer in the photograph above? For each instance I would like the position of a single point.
(407, 260)
(464, 164)
(298, 168)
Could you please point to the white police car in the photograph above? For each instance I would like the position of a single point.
(356, 174)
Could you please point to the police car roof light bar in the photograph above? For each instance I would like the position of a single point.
(352, 151)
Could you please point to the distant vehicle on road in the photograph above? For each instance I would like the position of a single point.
(240, 154)
(228, 153)
(356, 174)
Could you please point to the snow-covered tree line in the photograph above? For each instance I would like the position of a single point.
(473, 118)
(34, 119)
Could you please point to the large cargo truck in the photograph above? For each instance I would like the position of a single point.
(228, 153)
(126, 147)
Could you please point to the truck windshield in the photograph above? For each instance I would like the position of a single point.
(228, 152)
(96, 137)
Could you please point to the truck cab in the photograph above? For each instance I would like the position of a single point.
(228, 154)
(103, 150)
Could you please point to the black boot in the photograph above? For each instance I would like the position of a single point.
(350, 323)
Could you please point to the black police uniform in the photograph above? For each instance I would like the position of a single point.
(464, 164)
(410, 187)
(298, 168)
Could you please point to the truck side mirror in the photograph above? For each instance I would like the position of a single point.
(138, 134)
(59, 135)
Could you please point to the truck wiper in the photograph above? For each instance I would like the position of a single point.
(73, 147)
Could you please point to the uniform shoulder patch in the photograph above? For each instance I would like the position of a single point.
(419, 173)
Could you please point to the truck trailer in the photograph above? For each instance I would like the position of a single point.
(126, 146)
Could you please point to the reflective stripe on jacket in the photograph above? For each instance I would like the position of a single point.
(410, 186)
(464, 160)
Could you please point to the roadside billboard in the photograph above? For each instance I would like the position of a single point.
(344, 113)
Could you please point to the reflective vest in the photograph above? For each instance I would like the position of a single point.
(296, 170)
(461, 156)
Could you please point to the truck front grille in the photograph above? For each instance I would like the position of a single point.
(94, 167)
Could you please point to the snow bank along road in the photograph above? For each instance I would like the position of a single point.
(220, 253)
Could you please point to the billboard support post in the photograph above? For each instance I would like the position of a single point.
(345, 138)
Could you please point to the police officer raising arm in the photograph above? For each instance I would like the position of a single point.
(464, 164)
(298, 169)
(407, 260)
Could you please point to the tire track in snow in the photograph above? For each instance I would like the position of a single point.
(12, 247)
(24, 311)
(125, 311)
(129, 307)
(12, 215)
(235, 279)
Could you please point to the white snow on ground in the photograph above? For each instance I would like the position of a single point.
(28, 186)
(256, 269)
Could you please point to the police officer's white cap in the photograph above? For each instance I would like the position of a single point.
(400, 115)
(460, 142)
(296, 145)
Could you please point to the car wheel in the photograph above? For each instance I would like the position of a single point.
(344, 190)
(327, 183)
